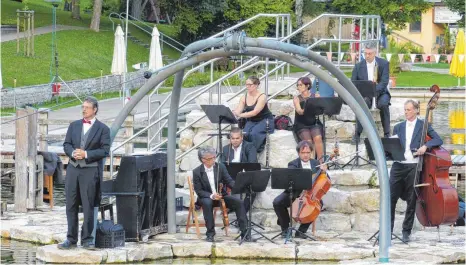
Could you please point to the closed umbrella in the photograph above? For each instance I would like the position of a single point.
(119, 54)
(458, 61)
(155, 57)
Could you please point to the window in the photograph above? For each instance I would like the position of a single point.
(415, 26)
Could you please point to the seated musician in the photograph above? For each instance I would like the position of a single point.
(307, 127)
(282, 201)
(403, 172)
(206, 179)
(239, 151)
(253, 107)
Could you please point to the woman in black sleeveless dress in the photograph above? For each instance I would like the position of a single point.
(307, 127)
(253, 107)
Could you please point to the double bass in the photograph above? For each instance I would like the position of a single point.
(437, 199)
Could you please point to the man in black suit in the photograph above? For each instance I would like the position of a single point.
(239, 151)
(206, 179)
(403, 172)
(87, 144)
(282, 201)
(376, 70)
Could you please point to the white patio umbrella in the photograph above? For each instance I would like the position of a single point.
(119, 54)
(155, 56)
(1, 81)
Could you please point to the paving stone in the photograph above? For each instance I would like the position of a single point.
(254, 250)
(51, 254)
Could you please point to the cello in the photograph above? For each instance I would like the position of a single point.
(437, 199)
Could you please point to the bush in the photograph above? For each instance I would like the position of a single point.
(394, 68)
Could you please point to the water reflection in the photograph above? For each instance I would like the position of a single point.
(17, 252)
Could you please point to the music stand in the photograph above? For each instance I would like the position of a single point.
(291, 179)
(249, 182)
(323, 106)
(235, 168)
(367, 90)
(393, 151)
(219, 114)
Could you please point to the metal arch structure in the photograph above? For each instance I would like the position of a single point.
(237, 44)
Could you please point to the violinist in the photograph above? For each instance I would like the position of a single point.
(402, 173)
(282, 201)
(206, 179)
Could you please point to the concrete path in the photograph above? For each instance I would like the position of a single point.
(46, 226)
(40, 31)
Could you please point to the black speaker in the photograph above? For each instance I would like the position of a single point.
(140, 188)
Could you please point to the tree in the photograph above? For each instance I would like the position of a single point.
(396, 13)
(75, 10)
(457, 6)
(299, 6)
(97, 11)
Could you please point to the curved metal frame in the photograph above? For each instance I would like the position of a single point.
(236, 44)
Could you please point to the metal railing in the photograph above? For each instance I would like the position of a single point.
(147, 28)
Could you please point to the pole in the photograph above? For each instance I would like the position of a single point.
(126, 92)
(101, 82)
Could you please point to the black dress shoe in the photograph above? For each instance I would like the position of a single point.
(387, 135)
(284, 233)
(210, 239)
(89, 246)
(67, 245)
(245, 236)
(300, 235)
(406, 237)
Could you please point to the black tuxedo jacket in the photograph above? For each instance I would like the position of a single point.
(400, 131)
(360, 73)
(248, 153)
(97, 146)
(201, 181)
(297, 164)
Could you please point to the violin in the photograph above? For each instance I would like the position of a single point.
(307, 207)
(437, 200)
(223, 206)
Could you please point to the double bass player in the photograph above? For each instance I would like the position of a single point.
(402, 173)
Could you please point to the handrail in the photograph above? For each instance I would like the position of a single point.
(163, 36)
(399, 36)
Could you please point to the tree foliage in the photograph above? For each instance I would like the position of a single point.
(457, 6)
(395, 13)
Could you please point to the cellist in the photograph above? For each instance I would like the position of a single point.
(402, 173)
(282, 201)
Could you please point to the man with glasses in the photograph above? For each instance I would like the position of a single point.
(87, 144)
(206, 179)
(374, 69)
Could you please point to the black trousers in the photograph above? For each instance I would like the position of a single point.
(383, 103)
(402, 186)
(247, 207)
(280, 205)
(80, 189)
(232, 203)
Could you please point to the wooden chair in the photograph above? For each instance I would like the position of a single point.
(192, 214)
(48, 184)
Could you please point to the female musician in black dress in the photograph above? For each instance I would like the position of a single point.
(253, 107)
(307, 127)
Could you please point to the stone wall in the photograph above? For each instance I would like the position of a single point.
(21, 96)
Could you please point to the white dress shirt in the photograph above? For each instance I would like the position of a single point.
(306, 165)
(87, 126)
(237, 155)
(210, 176)
(370, 70)
(409, 159)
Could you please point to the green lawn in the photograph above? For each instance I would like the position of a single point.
(433, 65)
(422, 79)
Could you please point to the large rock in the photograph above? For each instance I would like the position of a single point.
(256, 250)
(51, 254)
(264, 200)
(203, 135)
(279, 85)
(396, 112)
(203, 99)
(151, 251)
(186, 140)
(184, 193)
(186, 250)
(281, 107)
(203, 123)
(355, 177)
(282, 149)
(190, 161)
(342, 130)
(181, 178)
(331, 251)
(336, 222)
(365, 222)
(337, 201)
(366, 200)
(347, 152)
